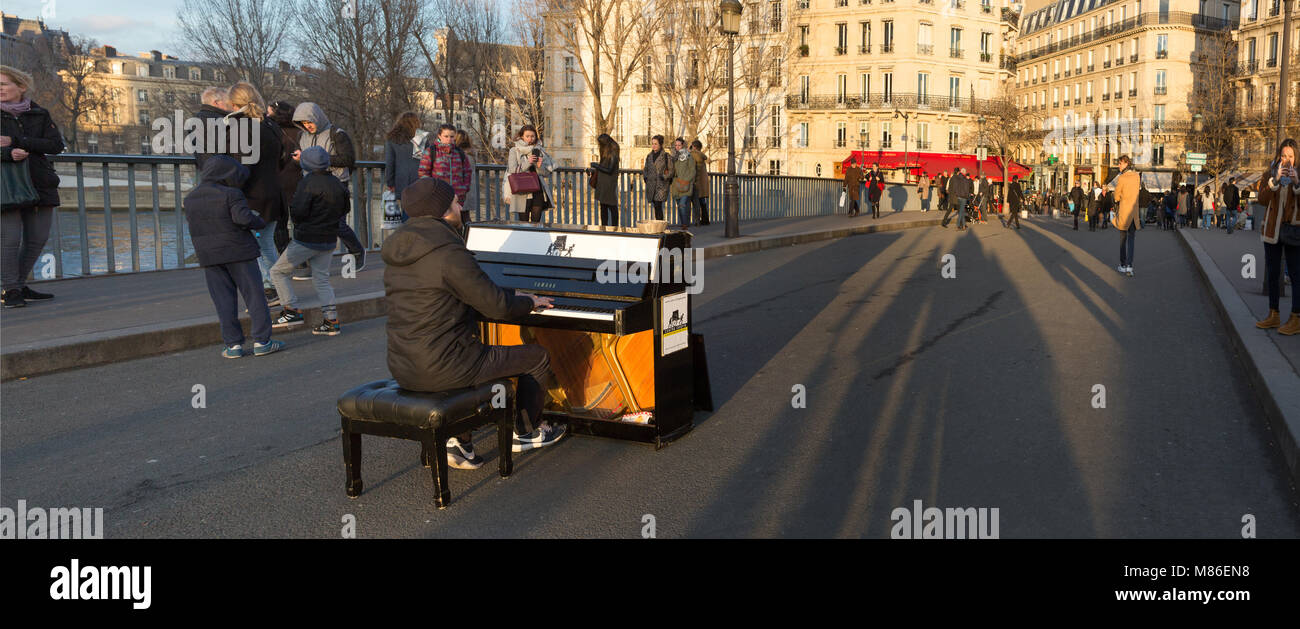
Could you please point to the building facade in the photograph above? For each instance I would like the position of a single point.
(1089, 67)
(1258, 80)
(893, 75)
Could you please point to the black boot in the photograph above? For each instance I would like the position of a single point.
(13, 298)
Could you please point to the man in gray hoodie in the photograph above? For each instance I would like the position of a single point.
(317, 131)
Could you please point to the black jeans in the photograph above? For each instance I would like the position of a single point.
(659, 209)
(1014, 217)
(702, 203)
(1273, 273)
(1126, 243)
(608, 214)
(532, 365)
(24, 233)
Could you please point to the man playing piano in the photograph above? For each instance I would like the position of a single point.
(435, 292)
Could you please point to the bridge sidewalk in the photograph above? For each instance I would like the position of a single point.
(111, 318)
(1271, 359)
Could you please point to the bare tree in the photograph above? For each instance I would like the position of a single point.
(1213, 72)
(396, 52)
(71, 84)
(1007, 125)
(609, 41)
(521, 69)
(343, 78)
(245, 37)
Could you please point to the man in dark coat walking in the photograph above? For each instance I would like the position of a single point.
(1231, 198)
(959, 189)
(875, 186)
(1015, 200)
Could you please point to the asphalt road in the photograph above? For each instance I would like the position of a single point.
(973, 391)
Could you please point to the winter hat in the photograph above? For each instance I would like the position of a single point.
(427, 197)
(314, 158)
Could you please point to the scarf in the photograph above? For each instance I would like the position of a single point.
(417, 143)
(683, 155)
(17, 107)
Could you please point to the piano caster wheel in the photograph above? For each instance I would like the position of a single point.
(354, 489)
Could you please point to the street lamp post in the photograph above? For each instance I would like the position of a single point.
(898, 113)
(1284, 78)
(731, 189)
(1197, 125)
(980, 162)
(862, 140)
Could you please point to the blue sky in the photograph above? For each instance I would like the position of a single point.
(130, 26)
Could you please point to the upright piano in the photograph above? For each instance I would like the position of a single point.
(626, 363)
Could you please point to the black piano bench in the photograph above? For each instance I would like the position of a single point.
(383, 409)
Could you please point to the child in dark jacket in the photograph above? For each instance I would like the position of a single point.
(220, 222)
(318, 205)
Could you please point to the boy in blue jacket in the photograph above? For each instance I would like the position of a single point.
(220, 227)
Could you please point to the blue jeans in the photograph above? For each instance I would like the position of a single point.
(1126, 244)
(319, 261)
(266, 242)
(961, 212)
(225, 283)
(684, 206)
(1232, 219)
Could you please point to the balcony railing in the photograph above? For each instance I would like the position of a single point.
(1091, 67)
(641, 140)
(1105, 64)
(1007, 63)
(1076, 100)
(887, 48)
(1088, 100)
(986, 8)
(1161, 90)
(886, 143)
(643, 88)
(1105, 97)
(1132, 92)
(749, 141)
(1250, 67)
(1034, 81)
(1175, 18)
(955, 53)
(774, 142)
(923, 145)
(841, 143)
(774, 81)
(864, 49)
(1119, 94)
(839, 50)
(1132, 58)
(1011, 17)
(1162, 54)
(1056, 76)
(890, 101)
(925, 49)
(1272, 62)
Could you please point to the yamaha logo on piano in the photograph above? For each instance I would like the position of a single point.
(543, 284)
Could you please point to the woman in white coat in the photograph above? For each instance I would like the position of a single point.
(528, 155)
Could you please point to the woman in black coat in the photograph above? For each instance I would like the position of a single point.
(607, 179)
(27, 133)
(263, 186)
(281, 113)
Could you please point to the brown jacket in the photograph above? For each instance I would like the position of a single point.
(1127, 188)
(701, 174)
(853, 182)
(1278, 211)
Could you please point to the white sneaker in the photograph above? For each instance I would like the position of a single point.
(545, 435)
(1130, 271)
(462, 457)
(1122, 269)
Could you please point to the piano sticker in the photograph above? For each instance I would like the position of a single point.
(675, 328)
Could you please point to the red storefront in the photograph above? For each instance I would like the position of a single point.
(932, 164)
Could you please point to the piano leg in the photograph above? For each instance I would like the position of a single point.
(505, 426)
(440, 485)
(351, 459)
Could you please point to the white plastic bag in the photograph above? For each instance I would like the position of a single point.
(844, 198)
(392, 213)
(506, 195)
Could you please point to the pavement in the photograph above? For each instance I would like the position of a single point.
(1272, 360)
(850, 377)
(110, 318)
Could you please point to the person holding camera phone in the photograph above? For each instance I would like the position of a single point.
(527, 155)
(1278, 189)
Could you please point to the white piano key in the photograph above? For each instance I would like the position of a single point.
(577, 314)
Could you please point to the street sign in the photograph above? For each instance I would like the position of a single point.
(1192, 157)
(1192, 160)
(981, 153)
(1196, 168)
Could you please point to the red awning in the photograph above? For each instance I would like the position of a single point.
(934, 163)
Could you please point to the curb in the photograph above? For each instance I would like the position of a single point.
(101, 348)
(1270, 373)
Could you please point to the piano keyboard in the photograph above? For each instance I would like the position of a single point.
(577, 314)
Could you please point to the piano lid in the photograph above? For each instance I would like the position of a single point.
(565, 243)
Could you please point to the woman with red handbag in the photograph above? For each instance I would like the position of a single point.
(527, 167)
